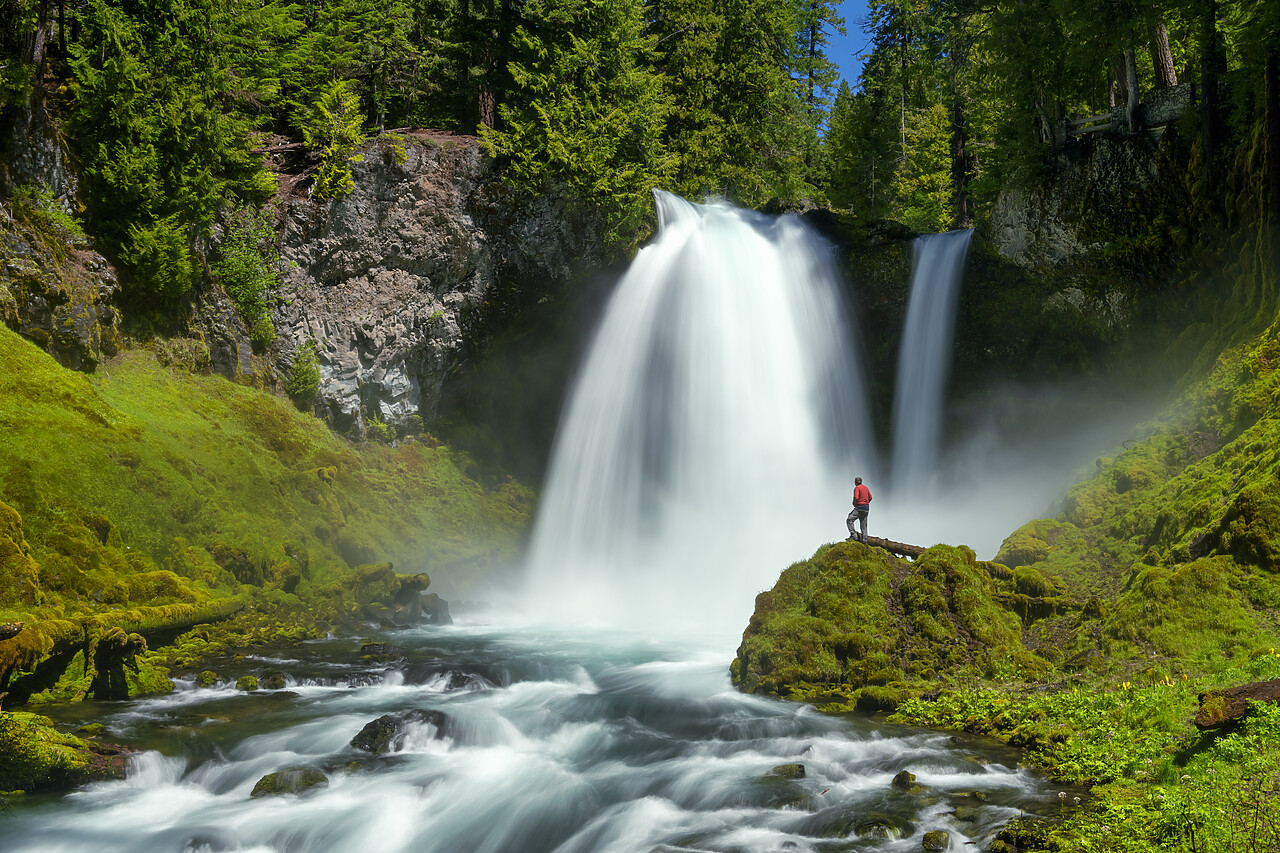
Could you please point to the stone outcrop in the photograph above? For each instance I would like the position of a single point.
(1055, 223)
(56, 291)
(395, 282)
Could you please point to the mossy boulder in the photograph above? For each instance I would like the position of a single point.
(935, 839)
(247, 683)
(19, 574)
(788, 771)
(207, 678)
(853, 616)
(34, 756)
(293, 780)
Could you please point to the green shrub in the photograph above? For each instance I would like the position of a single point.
(262, 333)
(333, 127)
(302, 379)
(248, 269)
(35, 207)
(158, 258)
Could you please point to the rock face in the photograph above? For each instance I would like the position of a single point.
(1056, 223)
(56, 291)
(394, 282)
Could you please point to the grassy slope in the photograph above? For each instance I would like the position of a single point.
(150, 498)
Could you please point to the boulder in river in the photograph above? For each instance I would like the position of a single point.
(292, 780)
(788, 771)
(936, 839)
(904, 781)
(388, 732)
(272, 681)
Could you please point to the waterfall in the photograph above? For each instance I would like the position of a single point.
(924, 360)
(712, 428)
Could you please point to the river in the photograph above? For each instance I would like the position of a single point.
(553, 741)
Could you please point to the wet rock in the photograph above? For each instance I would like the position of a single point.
(247, 683)
(388, 732)
(273, 681)
(936, 839)
(435, 610)
(1218, 707)
(208, 678)
(788, 771)
(293, 780)
(904, 781)
(380, 652)
(1018, 835)
(35, 756)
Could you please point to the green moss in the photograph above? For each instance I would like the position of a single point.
(247, 683)
(853, 616)
(134, 499)
(34, 756)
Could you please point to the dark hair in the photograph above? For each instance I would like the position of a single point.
(857, 481)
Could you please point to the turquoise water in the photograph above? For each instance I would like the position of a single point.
(553, 742)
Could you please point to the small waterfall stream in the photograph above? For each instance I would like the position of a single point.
(925, 359)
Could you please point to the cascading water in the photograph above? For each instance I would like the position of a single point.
(925, 358)
(711, 430)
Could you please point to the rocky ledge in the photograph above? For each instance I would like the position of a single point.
(397, 281)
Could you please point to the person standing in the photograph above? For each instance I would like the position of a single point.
(861, 507)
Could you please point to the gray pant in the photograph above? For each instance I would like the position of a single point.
(859, 514)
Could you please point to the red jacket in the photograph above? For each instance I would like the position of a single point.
(861, 495)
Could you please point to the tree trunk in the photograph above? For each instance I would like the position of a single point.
(1166, 77)
(1273, 136)
(1133, 107)
(37, 44)
(1118, 91)
(961, 166)
(1210, 71)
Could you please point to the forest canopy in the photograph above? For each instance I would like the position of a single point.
(168, 103)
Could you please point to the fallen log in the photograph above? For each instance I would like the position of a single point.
(899, 549)
(1218, 707)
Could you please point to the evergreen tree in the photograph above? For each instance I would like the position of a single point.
(589, 113)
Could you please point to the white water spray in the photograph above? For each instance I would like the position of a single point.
(712, 430)
(925, 359)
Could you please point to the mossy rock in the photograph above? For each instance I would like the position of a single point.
(851, 616)
(293, 780)
(247, 683)
(19, 574)
(273, 681)
(34, 756)
(935, 839)
(788, 771)
(207, 678)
